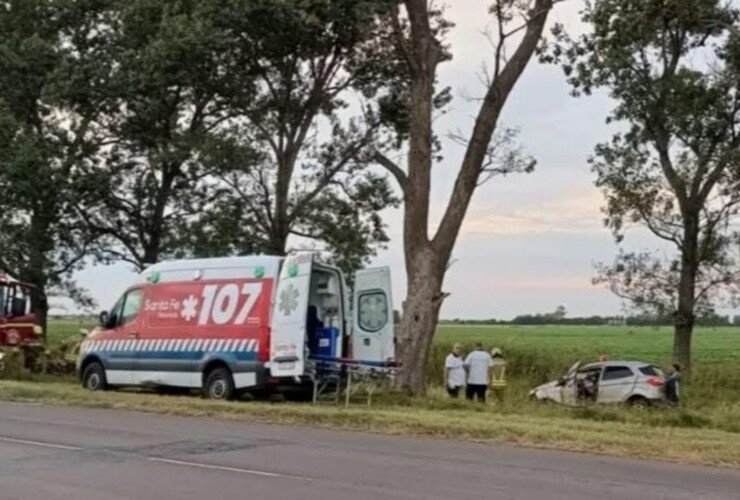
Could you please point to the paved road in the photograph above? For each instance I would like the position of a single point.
(59, 453)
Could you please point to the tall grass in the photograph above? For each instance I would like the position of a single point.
(711, 398)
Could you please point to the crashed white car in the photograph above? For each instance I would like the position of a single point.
(631, 382)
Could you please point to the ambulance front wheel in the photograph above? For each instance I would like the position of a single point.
(93, 378)
(219, 385)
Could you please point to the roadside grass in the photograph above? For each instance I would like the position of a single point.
(706, 430)
(672, 435)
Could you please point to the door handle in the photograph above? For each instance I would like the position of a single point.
(133, 335)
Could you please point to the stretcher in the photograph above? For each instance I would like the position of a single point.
(348, 377)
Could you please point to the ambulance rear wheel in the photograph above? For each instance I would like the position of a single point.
(93, 378)
(219, 385)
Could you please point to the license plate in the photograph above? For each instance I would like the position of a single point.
(287, 366)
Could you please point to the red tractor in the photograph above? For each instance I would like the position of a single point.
(18, 328)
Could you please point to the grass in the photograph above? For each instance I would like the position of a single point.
(60, 329)
(538, 354)
(706, 430)
(596, 431)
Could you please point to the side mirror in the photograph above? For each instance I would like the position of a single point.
(103, 319)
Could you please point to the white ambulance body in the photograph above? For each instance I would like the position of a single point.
(238, 323)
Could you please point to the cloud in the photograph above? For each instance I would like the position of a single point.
(571, 213)
(553, 282)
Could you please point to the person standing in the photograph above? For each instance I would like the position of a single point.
(454, 372)
(673, 385)
(498, 374)
(477, 364)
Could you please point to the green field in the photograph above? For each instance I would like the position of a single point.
(711, 345)
(537, 354)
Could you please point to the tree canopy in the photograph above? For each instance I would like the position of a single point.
(672, 70)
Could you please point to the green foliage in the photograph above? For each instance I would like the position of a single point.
(168, 126)
(45, 136)
(310, 64)
(138, 130)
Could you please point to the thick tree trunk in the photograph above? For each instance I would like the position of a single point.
(278, 242)
(151, 254)
(682, 345)
(40, 308)
(685, 317)
(684, 320)
(37, 270)
(426, 260)
(419, 321)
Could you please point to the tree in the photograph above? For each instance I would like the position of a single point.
(672, 68)
(418, 37)
(48, 100)
(213, 126)
(560, 313)
(306, 60)
(169, 127)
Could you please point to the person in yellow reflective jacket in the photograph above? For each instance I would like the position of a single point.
(498, 374)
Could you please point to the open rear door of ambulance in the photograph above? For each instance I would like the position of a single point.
(288, 322)
(372, 313)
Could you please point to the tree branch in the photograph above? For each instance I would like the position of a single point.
(485, 125)
(393, 168)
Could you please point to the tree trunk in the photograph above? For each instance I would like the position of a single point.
(40, 308)
(37, 269)
(682, 345)
(278, 241)
(685, 315)
(426, 261)
(419, 321)
(684, 320)
(151, 254)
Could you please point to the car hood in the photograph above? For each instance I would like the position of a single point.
(545, 387)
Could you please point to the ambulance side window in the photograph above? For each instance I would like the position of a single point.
(115, 314)
(131, 306)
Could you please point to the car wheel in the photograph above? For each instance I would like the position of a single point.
(639, 402)
(219, 385)
(93, 378)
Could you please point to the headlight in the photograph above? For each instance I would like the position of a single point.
(38, 330)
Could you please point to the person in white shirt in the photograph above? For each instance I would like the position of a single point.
(454, 371)
(478, 363)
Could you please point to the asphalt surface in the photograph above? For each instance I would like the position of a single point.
(61, 453)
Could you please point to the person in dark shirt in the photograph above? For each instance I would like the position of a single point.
(673, 385)
(313, 326)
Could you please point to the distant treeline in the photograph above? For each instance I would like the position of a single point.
(637, 320)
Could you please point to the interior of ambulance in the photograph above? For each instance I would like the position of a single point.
(325, 314)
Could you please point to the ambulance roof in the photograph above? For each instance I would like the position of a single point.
(269, 266)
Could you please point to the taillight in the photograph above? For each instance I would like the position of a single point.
(655, 381)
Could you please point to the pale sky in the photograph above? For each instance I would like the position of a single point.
(530, 241)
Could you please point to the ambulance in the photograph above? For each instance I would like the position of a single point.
(238, 324)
